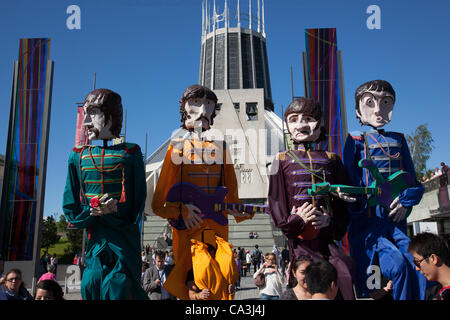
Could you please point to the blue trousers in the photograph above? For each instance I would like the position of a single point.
(384, 245)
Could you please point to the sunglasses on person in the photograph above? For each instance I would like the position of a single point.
(13, 279)
(418, 262)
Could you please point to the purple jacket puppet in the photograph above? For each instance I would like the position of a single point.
(311, 224)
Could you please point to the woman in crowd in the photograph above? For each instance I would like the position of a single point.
(299, 292)
(50, 275)
(14, 287)
(272, 288)
(48, 290)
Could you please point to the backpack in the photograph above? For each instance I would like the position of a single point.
(256, 256)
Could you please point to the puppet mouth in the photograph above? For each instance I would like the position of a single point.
(304, 131)
(92, 129)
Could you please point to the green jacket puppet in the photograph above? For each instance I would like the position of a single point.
(105, 193)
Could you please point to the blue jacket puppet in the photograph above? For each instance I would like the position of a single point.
(105, 193)
(377, 236)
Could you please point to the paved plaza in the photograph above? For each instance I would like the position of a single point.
(247, 291)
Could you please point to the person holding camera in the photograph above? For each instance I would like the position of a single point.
(272, 286)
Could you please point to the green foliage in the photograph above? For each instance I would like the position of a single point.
(420, 144)
(62, 223)
(49, 233)
(75, 237)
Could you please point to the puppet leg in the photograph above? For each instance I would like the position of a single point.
(227, 265)
(361, 252)
(396, 267)
(402, 242)
(92, 279)
(207, 273)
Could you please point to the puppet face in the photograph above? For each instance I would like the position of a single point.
(375, 108)
(303, 128)
(199, 113)
(98, 127)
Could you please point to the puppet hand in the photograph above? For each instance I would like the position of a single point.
(238, 214)
(204, 294)
(388, 286)
(343, 196)
(193, 219)
(105, 206)
(306, 212)
(322, 219)
(398, 211)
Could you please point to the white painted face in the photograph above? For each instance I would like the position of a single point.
(199, 113)
(303, 128)
(375, 108)
(98, 127)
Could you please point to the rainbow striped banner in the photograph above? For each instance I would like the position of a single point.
(27, 145)
(322, 82)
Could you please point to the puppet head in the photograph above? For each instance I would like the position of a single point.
(304, 120)
(198, 107)
(103, 114)
(374, 103)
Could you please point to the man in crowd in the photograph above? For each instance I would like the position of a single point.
(321, 280)
(155, 277)
(432, 258)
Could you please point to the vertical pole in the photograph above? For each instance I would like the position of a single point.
(259, 17)
(42, 173)
(292, 85)
(250, 14)
(238, 15)
(95, 78)
(342, 96)
(263, 27)
(282, 128)
(306, 75)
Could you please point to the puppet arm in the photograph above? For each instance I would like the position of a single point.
(354, 174)
(76, 213)
(291, 225)
(411, 196)
(170, 175)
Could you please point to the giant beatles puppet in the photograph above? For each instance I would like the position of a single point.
(377, 230)
(197, 171)
(311, 223)
(105, 193)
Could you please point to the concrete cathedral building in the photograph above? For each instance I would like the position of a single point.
(234, 64)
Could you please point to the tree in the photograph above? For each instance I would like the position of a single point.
(49, 233)
(62, 223)
(420, 145)
(75, 237)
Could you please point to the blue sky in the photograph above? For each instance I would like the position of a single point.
(149, 52)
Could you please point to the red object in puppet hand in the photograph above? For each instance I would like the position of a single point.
(95, 202)
(309, 232)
